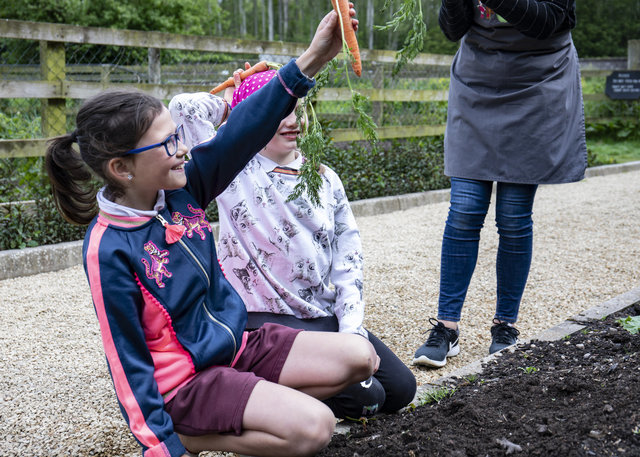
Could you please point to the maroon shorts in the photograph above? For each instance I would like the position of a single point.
(215, 399)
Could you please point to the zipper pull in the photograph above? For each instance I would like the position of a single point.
(172, 233)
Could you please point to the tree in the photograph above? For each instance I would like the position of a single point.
(370, 24)
(270, 19)
(604, 28)
(242, 17)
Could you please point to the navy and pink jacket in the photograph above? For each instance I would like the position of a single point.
(165, 309)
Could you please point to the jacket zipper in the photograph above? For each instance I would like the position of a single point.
(164, 223)
(224, 326)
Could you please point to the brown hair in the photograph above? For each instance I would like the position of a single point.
(107, 126)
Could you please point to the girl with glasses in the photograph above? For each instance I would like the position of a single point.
(187, 376)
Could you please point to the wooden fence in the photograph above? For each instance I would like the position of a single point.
(54, 86)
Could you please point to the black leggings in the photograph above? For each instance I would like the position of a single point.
(391, 388)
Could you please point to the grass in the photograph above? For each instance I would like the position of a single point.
(436, 395)
(615, 151)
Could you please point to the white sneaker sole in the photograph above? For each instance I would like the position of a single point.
(425, 361)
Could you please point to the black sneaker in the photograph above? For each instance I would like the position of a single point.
(502, 336)
(442, 343)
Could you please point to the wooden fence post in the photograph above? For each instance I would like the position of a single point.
(53, 69)
(155, 71)
(633, 55)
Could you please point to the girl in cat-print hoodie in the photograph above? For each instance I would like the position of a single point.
(293, 262)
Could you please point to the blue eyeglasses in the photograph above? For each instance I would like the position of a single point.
(170, 144)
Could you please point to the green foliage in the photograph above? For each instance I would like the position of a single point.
(472, 378)
(413, 23)
(608, 151)
(26, 225)
(364, 122)
(617, 127)
(529, 370)
(20, 179)
(309, 180)
(19, 118)
(312, 143)
(630, 324)
(436, 395)
(609, 121)
(195, 17)
(393, 168)
(60, 11)
(604, 28)
(410, 11)
(396, 167)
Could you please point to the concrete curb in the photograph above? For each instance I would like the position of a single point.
(29, 261)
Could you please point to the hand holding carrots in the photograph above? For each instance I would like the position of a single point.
(237, 78)
(326, 43)
(342, 7)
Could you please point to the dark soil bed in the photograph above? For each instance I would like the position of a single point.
(579, 396)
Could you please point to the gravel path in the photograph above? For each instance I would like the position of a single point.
(56, 397)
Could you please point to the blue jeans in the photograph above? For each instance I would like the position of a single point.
(469, 205)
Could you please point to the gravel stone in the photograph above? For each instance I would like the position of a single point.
(56, 397)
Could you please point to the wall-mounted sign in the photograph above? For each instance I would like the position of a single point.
(623, 85)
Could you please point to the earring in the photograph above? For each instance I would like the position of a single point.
(129, 177)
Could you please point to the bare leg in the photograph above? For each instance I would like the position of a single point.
(322, 364)
(278, 421)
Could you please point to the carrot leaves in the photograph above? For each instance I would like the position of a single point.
(409, 12)
(313, 142)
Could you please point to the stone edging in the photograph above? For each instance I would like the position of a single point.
(42, 259)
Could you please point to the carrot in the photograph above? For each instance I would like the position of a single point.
(349, 35)
(257, 68)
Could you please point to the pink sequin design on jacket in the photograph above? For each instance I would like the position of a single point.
(157, 269)
(196, 223)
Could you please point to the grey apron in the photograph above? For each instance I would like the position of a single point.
(515, 109)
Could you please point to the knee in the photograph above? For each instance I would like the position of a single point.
(401, 392)
(365, 360)
(464, 224)
(514, 226)
(313, 432)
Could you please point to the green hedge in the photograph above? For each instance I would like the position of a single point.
(397, 167)
(393, 168)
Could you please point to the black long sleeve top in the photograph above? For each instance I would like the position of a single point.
(534, 18)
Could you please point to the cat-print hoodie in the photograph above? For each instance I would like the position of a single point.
(164, 307)
(286, 259)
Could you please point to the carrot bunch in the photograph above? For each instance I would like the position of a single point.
(348, 34)
(257, 68)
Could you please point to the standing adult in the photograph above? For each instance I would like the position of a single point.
(515, 117)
